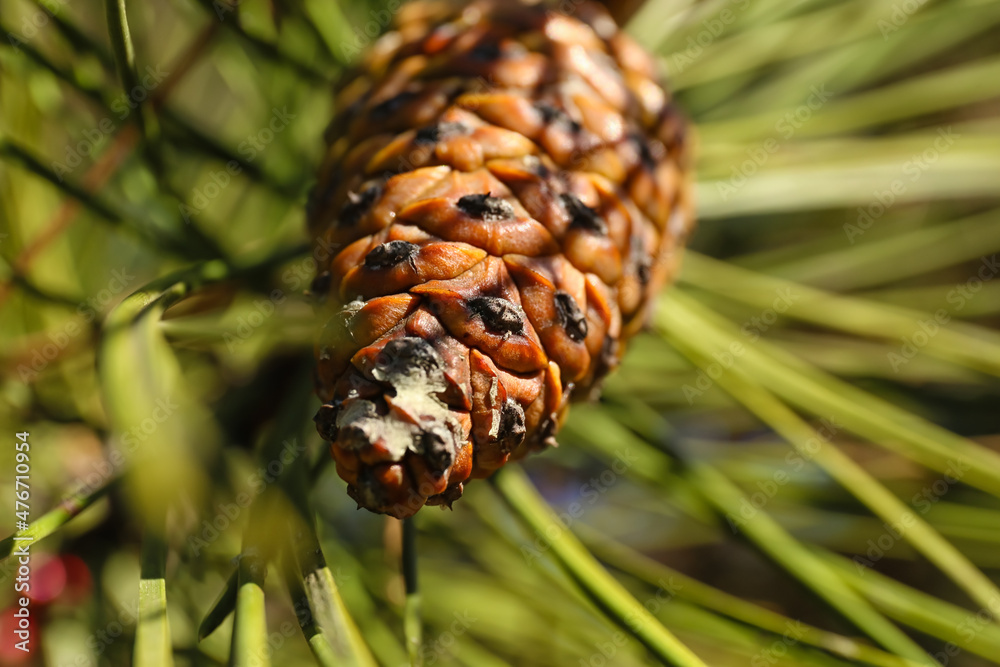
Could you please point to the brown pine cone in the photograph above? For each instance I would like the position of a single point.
(505, 190)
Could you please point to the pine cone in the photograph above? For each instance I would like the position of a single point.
(504, 191)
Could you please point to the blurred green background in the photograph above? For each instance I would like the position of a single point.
(798, 464)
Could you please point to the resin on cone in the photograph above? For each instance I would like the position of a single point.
(505, 190)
